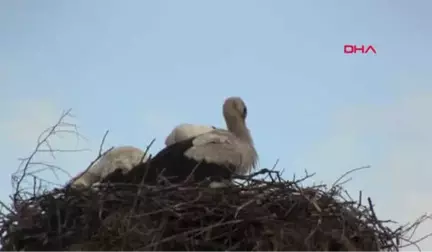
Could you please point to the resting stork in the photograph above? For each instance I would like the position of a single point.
(185, 131)
(122, 158)
(218, 153)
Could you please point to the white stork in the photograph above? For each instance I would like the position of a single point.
(122, 158)
(217, 153)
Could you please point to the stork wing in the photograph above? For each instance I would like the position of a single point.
(170, 138)
(217, 146)
(186, 131)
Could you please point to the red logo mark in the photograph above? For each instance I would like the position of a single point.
(363, 49)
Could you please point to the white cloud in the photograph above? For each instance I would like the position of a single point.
(21, 125)
(25, 120)
(396, 139)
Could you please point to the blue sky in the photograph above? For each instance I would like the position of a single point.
(138, 68)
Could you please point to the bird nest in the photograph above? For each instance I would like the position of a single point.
(252, 214)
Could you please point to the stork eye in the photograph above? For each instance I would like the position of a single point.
(244, 112)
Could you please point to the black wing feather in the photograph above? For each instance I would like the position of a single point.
(176, 167)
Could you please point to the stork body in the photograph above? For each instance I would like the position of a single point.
(217, 153)
(185, 131)
(122, 158)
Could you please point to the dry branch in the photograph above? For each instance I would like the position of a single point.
(254, 214)
(43, 144)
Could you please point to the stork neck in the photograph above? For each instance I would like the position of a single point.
(239, 129)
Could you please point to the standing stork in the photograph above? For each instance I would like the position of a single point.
(185, 131)
(217, 153)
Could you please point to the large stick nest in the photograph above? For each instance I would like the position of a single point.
(256, 214)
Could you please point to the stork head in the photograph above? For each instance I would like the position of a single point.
(234, 108)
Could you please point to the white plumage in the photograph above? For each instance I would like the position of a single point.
(123, 158)
(224, 148)
(186, 131)
(216, 153)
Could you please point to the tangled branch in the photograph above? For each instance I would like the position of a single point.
(29, 168)
(254, 214)
(261, 211)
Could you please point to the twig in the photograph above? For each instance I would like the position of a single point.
(102, 143)
(348, 172)
(42, 140)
